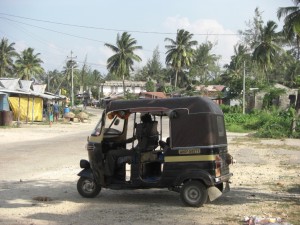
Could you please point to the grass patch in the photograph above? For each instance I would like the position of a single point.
(236, 128)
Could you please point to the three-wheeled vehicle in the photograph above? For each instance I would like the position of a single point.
(184, 150)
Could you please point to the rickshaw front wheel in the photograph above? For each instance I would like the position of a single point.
(87, 187)
(193, 193)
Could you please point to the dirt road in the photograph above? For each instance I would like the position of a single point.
(39, 164)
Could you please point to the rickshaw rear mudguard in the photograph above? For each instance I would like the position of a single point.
(86, 173)
(202, 175)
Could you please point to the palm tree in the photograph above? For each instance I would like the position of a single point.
(121, 63)
(70, 67)
(291, 26)
(266, 48)
(236, 65)
(53, 80)
(204, 63)
(292, 29)
(234, 70)
(97, 77)
(180, 53)
(7, 52)
(29, 64)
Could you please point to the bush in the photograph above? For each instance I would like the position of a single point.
(271, 123)
(231, 109)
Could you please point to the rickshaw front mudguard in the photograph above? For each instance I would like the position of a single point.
(88, 173)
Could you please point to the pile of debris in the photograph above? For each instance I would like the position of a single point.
(255, 220)
(80, 117)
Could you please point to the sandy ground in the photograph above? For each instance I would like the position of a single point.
(38, 183)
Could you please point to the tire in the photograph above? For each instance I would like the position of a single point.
(87, 187)
(193, 193)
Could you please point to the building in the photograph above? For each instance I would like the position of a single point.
(153, 95)
(115, 87)
(255, 98)
(217, 93)
(24, 99)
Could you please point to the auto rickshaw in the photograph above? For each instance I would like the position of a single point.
(184, 149)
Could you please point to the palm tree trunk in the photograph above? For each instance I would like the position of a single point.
(176, 73)
(124, 85)
(297, 113)
(298, 46)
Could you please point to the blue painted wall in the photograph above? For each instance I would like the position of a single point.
(4, 105)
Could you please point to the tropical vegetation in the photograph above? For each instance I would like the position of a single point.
(266, 53)
(121, 63)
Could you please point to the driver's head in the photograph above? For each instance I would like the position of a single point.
(146, 118)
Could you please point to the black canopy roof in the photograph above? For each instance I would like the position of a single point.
(192, 104)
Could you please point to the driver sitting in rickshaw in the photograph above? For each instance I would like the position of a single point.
(147, 136)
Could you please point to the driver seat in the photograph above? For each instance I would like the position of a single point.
(147, 136)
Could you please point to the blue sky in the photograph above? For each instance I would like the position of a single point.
(149, 22)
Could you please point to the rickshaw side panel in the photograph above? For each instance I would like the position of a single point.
(197, 130)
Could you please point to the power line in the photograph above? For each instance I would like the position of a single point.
(90, 39)
(71, 35)
(116, 30)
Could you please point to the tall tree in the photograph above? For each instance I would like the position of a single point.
(154, 66)
(121, 63)
(205, 63)
(292, 30)
(97, 77)
(180, 52)
(7, 52)
(53, 80)
(153, 70)
(266, 47)
(29, 64)
(291, 26)
(84, 73)
(233, 75)
(252, 33)
(69, 68)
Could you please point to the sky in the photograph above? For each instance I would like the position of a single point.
(55, 28)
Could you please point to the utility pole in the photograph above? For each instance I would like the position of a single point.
(72, 77)
(244, 89)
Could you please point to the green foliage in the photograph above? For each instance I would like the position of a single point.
(150, 86)
(231, 109)
(121, 63)
(272, 95)
(180, 52)
(7, 53)
(168, 89)
(130, 96)
(265, 123)
(28, 64)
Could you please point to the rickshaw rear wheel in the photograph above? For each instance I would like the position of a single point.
(193, 193)
(87, 187)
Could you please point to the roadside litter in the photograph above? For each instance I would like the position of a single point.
(255, 220)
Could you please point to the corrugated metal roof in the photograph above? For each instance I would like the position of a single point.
(13, 86)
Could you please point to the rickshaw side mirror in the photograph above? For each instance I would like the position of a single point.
(116, 123)
(173, 114)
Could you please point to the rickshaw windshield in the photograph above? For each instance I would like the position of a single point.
(100, 124)
(113, 125)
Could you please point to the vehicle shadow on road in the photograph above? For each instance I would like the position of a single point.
(64, 205)
(244, 195)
